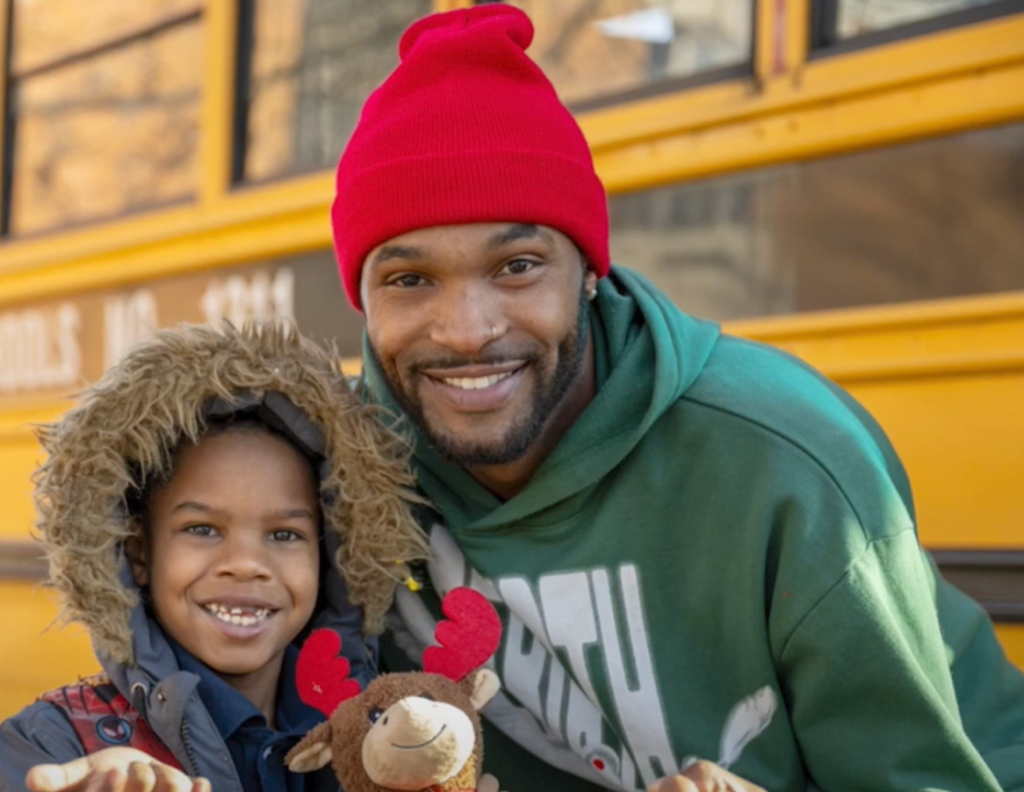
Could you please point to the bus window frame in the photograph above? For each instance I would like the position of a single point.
(8, 119)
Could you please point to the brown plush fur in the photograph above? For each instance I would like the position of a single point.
(152, 400)
(351, 721)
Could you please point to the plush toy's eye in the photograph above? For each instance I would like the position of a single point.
(426, 696)
(375, 714)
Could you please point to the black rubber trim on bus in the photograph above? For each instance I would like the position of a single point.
(995, 578)
(8, 126)
(22, 560)
(245, 46)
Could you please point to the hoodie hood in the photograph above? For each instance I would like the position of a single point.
(125, 430)
(648, 353)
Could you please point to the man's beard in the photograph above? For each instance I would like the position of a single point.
(526, 430)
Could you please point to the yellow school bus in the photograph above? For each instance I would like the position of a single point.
(841, 178)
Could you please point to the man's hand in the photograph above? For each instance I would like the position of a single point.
(112, 770)
(704, 777)
(488, 783)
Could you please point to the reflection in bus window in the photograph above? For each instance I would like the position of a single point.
(928, 220)
(596, 50)
(48, 30)
(313, 63)
(840, 20)
(84, 75)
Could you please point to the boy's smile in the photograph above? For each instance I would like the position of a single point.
(233, 560)
(244, 618)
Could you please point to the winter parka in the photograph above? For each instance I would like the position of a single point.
(124, 431)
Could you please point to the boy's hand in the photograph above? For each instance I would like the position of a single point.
(112, 770)
(704, 777)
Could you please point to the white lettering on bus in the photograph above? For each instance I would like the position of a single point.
(40, 348)
(239, 299)
(127, 320)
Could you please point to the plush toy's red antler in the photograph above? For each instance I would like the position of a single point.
(321, 675)
(468, 640)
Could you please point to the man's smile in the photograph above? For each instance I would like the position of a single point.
(474, 389)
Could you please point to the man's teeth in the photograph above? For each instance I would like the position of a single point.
(242, 617)
(477, 383)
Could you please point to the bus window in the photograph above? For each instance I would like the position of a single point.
(310, 64)
(597, 53)
(866, 22)
(83, 75)
(932, 219)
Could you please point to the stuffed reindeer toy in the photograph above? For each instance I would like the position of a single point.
(412, 731)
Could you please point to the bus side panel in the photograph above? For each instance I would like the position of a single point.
(33, 658)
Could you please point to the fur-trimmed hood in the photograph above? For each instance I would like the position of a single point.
(126, 427)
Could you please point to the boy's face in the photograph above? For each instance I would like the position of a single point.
(233, 555)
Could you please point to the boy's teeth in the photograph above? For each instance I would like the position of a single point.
(477, 383)
(237, 616)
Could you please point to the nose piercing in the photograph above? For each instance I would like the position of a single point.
(494, 332)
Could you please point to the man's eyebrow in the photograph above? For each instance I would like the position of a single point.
(404, 252)
(517, 231)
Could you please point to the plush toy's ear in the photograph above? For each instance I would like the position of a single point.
(481, 686)
(469, 637)
(321, 676)
(311, 752)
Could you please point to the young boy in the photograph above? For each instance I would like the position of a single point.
(193, 508)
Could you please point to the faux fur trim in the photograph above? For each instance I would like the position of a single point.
(143, 407)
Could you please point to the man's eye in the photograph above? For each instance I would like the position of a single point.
(285, 535)
(407, 281)
(519, 267)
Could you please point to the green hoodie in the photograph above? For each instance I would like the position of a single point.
(718, 561)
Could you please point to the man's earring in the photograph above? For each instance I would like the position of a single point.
(591, 295)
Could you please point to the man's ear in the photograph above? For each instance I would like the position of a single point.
(481, 686)
(135, 550)
(311, 752)
(589, 282)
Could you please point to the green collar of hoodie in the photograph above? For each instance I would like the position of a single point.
(647, 354)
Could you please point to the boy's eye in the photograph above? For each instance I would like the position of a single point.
(375, 714)
(285, 535)
(201, 530)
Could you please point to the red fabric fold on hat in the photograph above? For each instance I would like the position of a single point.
(467, 129)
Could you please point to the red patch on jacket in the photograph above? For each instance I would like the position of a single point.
(102, 718)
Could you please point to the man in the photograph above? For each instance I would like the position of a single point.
(704, 553)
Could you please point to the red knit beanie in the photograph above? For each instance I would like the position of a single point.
(467, 129)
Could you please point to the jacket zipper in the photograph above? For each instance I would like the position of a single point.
(188, 750)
